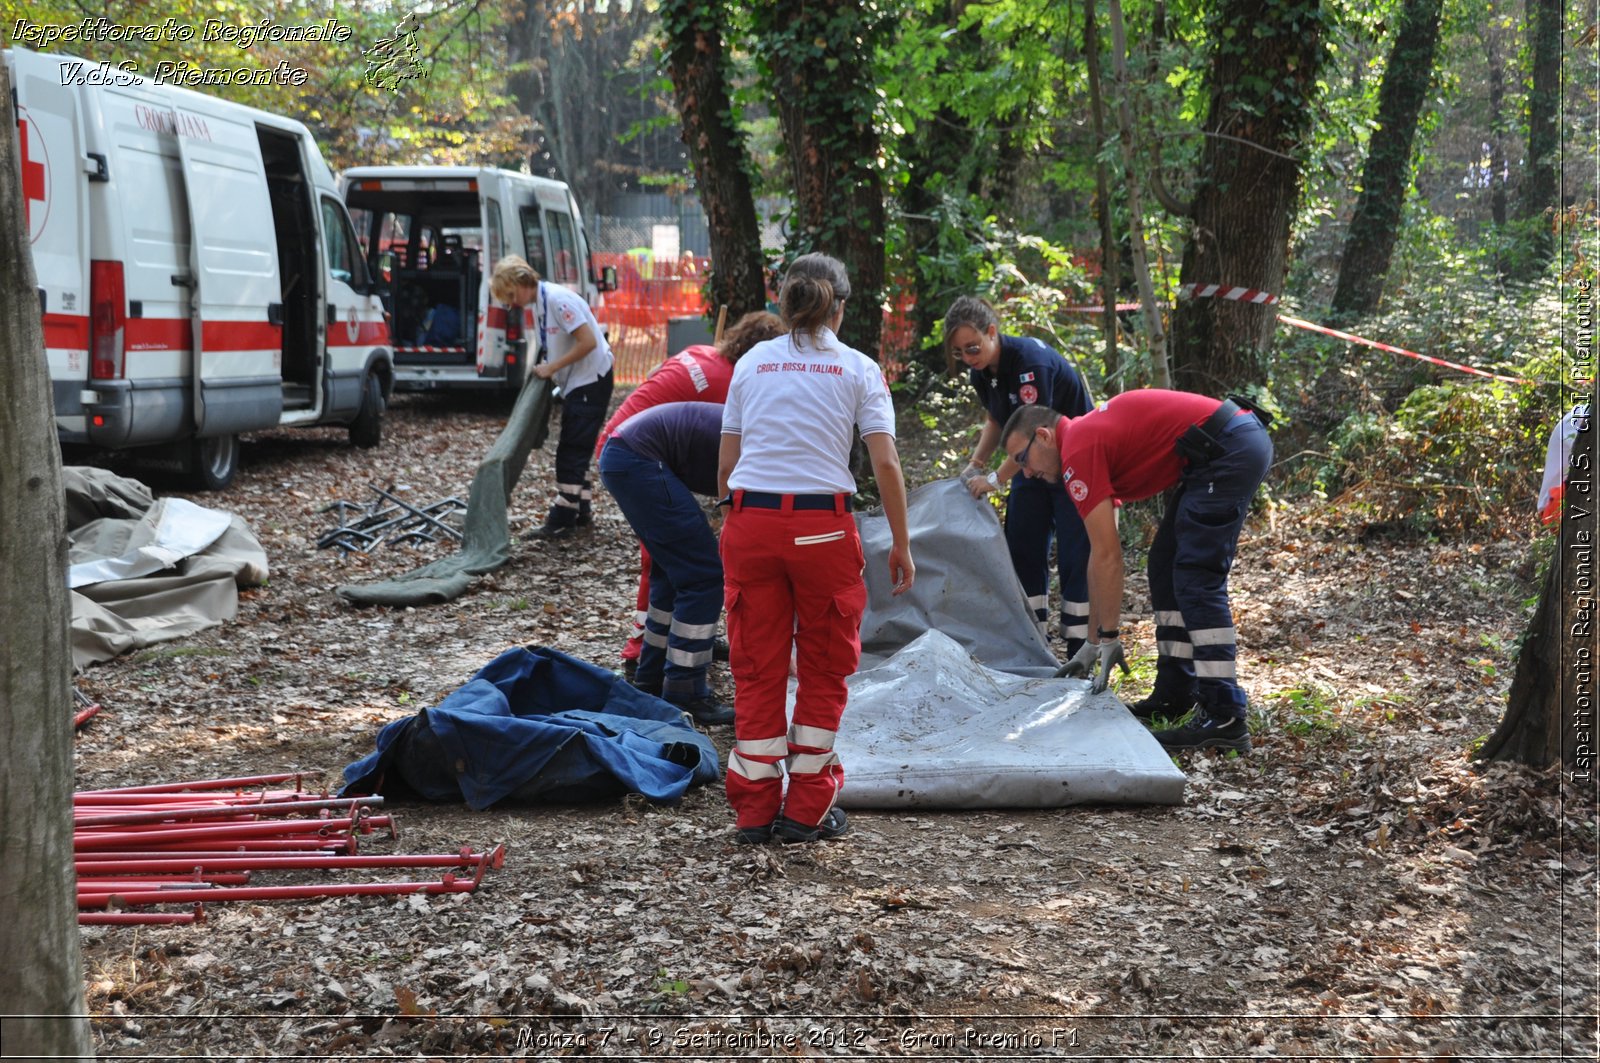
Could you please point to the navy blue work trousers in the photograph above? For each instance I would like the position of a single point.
(1036, 511)
(1188, 568)
(685, 570)
(583, 414)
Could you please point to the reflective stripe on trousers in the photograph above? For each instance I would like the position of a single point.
(685, 570)
(1036, 512)
(1188, 569)
(792, 580)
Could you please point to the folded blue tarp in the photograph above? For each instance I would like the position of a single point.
(537, 725)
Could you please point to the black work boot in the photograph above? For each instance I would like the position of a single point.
(560, 523)
(788, 831)
(1156, 705)
(706, 710)
(1203, 731)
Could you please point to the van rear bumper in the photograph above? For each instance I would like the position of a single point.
(464, 378)
(117, 414)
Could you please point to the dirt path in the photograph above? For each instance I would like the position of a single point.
(1351, 888)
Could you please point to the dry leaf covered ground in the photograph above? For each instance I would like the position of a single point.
(1352, 888)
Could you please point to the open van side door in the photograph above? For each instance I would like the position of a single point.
(54, 205)
(496, 330)
(234, 294)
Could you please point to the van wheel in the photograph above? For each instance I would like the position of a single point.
(366, 431)
(213, 461)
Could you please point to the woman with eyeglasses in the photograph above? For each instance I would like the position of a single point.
(1009, 373)
(791, 556)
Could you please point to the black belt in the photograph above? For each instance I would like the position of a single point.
(768, 500)
(1219, 419)
(1201, 443)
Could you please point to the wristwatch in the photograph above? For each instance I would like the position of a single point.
(993, 478)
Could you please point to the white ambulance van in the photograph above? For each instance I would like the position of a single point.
(198, 273)
(431, 236)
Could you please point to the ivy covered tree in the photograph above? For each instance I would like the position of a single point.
(1541, 183)
(697, 64)
(819, 62)
(1375, 226)
(1266, 58)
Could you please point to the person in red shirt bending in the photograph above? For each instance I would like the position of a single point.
(699, 373)
(1136, 445)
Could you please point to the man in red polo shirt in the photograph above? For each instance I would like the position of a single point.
(1139, 444)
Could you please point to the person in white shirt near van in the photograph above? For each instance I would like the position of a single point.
(577, 360)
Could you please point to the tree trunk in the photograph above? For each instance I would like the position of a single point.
(41, 978)
(819, 55)
(947, 163)
(1497, 134)
(1375, 226)
(1539, 189)
(1550, 711)
(1109, 254)
(1264, 69)
(697, 65)
(1154, 328)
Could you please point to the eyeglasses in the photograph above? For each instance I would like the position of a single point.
(1022, 459)
(971, 350)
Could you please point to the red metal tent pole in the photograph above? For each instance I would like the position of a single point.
(138, 918)
(165, 798)
(219, 832)
(143, 863)
(449, 884)
(272, 808)
(207, 784)
(234, 846)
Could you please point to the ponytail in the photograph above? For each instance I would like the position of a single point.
(813, 289)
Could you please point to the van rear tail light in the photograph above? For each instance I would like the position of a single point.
(108, 311)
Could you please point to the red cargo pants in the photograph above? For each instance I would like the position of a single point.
(792, 578)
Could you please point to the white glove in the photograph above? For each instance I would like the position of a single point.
(1096, 659)
(977, 482)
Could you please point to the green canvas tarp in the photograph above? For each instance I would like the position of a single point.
(486, 537)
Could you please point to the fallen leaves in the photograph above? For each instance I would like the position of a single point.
(1354, 880)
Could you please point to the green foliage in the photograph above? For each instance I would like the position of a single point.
(1461, 452)
(457, 111)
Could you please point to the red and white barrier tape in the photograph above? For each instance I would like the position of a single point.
(1222, 291)
(1218, 291)
(1308, 326)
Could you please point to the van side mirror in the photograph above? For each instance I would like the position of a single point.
(608, 279)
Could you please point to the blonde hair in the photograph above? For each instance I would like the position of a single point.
(813, 290)
(511, 273)
(753, 328)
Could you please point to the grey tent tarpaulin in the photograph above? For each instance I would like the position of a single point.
(144, 570)
(486, 538)
(954, 705)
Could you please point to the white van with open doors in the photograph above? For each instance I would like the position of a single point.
(198, 273)
(432, 234)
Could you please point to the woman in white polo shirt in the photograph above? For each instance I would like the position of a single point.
(791, 556)
(578, 362)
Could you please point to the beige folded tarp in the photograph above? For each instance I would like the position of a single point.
(146, 570)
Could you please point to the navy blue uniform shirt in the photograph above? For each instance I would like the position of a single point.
(1030, 373)
(683, 436)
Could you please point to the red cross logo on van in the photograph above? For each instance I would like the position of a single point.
(35, 174)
